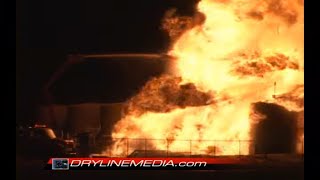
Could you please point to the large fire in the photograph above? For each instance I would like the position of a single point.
(231, 54)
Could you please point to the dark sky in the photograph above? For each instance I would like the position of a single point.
(49, 30)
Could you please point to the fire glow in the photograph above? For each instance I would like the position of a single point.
(228, 56)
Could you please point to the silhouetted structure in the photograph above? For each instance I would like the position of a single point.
(276, 133)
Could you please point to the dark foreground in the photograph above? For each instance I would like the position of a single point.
(272, 170)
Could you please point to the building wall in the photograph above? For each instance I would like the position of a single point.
(80, 118)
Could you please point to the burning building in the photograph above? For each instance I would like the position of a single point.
(228, 56)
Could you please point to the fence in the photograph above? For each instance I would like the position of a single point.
(135, 147)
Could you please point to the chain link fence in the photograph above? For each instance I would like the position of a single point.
(135, 147)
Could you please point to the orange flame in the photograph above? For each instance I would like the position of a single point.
(236, 53)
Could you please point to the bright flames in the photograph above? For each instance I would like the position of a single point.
(229, 56)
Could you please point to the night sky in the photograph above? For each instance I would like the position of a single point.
(47, 31)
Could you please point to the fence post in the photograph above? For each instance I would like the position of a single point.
(190, 147)
(239, 148)
(214, 148)
(302, 146)
(302, 150)
(110, 152)
(145, 147)
(127, 147)
(167, 146)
